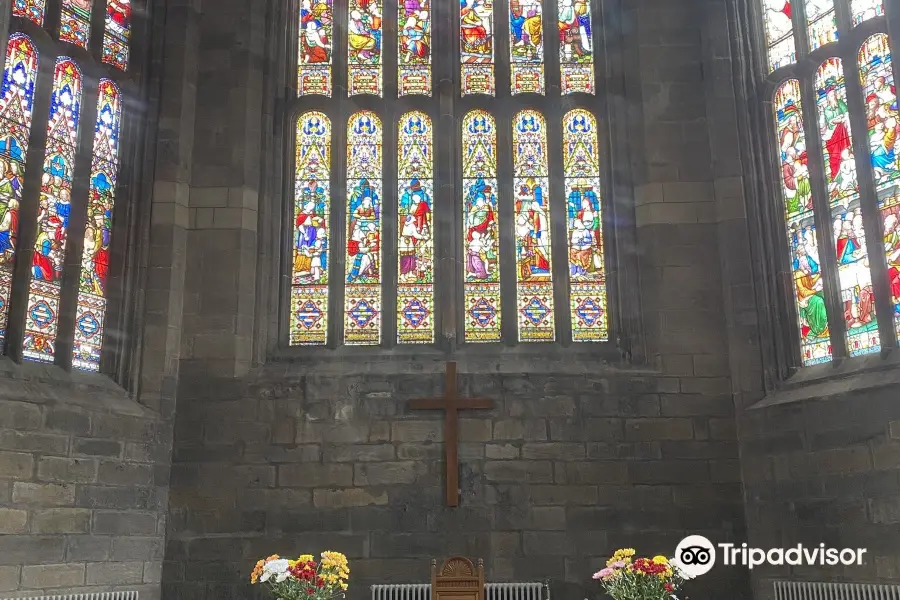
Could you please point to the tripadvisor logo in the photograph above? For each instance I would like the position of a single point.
(696, 555)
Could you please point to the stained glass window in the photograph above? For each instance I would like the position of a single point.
(53, 213)
(863, 10)
(526, 46)
(414, 47)
(16, 104)
(315, 47)
(364, 32)
(532, 228)
(362, 295)
(587, 266)
(415, 268)
(821, 22)
(476, 39)
(808, 281)
(576, 46)
(481, 237)
(91, 312)
(779, 33)
(877, 79)
(117, 34)
(75, 22)
(846, 213)
(312, 219)
(32, 10)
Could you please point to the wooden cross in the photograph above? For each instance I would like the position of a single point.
(452, 404)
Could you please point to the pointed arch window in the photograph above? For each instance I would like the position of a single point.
(75, 22)
(117, 35)
(835, 123)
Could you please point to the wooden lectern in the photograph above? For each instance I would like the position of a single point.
(457, 579)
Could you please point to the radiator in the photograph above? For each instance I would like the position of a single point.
(789, 590)
(132, 595)
(492, 591)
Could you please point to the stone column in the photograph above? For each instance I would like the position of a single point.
(222, 249)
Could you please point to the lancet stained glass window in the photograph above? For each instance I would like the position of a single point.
(857, 294)
(532, 228)
(481, 236)
(42, 310)
(362, 301)
(118, 33)
(863, 10)
(476, 40)
(587, 265)
(92, 292)
(415, 224)
(781, 48)
(33, 10)
(312, 222)
(315, 47)
(75, 22)
(414, 47)
(799, 211)
(877, 79)
(16, 105)
(364, 56)
(526, 46)
(821, 20)
(576, 46)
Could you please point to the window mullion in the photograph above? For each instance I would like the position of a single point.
(844, 21)
(869, 199)
(558, 194)
(68, 297)
(801, 35)
(827, 253)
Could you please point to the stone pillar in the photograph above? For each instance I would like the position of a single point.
(222, 247)
(169, 220)
(5, 11)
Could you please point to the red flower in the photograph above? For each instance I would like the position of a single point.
(669, 588)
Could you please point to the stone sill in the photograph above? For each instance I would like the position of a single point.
(39, 383)
(820, 382)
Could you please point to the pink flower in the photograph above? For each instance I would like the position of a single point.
(604, 573)
(619, 564)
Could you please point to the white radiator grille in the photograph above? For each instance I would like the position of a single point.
(132, 595)
(492, 591)
(789, 590)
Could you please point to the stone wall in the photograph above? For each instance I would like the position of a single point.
(565, 469)
(825, 470)
(84, 476)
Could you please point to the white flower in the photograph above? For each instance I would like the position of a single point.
(278, 568)
(679, 568)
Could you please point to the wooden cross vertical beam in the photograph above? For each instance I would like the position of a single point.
(451, 404)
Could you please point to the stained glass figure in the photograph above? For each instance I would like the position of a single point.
(821, 23)
(312, 221)
(587, 266)
(364, 32)
(846, 213)
(863, 10)
(481, 239)
(414, 47)
(415, 265)
(53, 213)
(315, 47)
(75, 22)
(877, 80)
(33, 10)
(90, 316)
(526, 46)
(476, 39)
(16, 105)
(362, 295)
(532, 228)
(576, 46)
(117, 34)
(780, 43)
(796, 190)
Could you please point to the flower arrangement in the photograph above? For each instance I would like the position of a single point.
(628, 578)
(304, 578)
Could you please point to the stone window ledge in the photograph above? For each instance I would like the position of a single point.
(834, 379)
(50, 384)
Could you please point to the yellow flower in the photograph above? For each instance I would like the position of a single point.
(303, 558)
(344, 586)
(660, 560)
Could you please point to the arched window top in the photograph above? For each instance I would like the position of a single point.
(33, 10)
